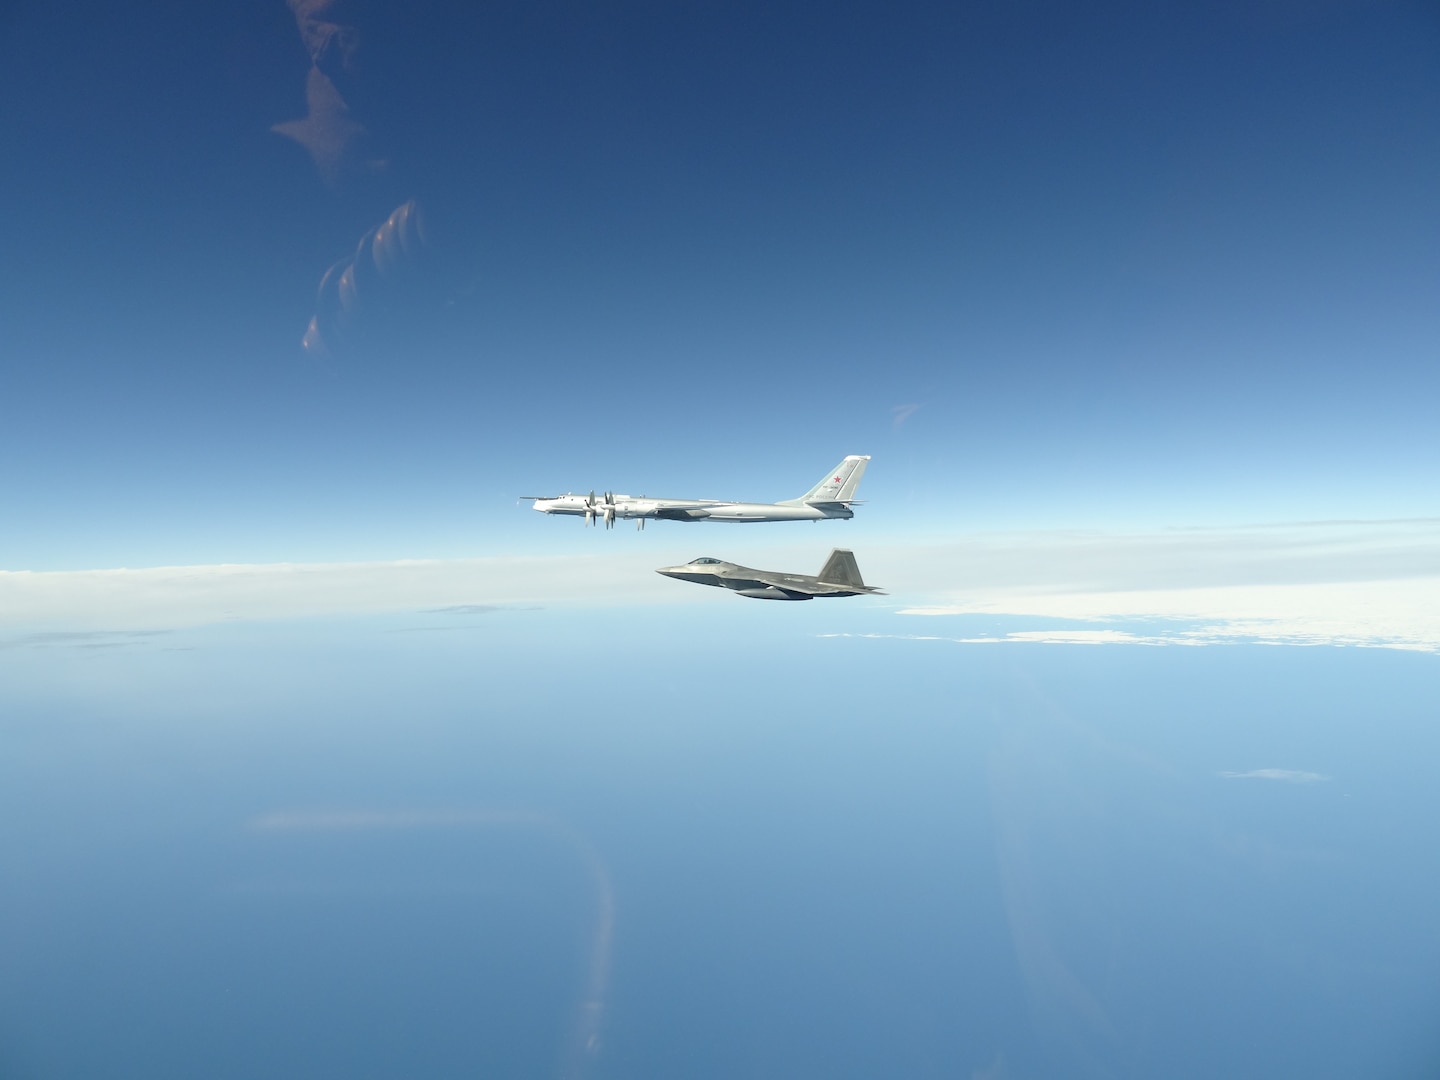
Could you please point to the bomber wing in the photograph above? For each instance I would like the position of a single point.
(681, 513)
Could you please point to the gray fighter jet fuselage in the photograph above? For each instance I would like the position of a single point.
(831, 498)
(840, 576)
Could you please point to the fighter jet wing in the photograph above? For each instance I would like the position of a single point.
(795, 584)
(756, 584)
(829, 583)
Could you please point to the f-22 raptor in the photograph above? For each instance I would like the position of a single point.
(832, 497)
(840, 576)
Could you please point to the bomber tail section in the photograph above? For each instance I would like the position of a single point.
(841, 569)
(837, 486)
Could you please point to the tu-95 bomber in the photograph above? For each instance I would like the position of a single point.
(831, 498)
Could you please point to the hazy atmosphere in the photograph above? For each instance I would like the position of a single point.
(322, 754)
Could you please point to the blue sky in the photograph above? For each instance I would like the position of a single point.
(1136, 266)
(1134, 307)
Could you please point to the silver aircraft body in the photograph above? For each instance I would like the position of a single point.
(831, 498)
(840, 576)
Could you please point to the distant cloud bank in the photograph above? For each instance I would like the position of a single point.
(1372, 585)
(1401, 614)
(170, 596)
(1366, 584)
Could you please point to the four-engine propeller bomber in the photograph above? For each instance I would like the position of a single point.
(840, 576)
(832, 497)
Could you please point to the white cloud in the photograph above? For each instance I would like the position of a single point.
(1043, 561)
(1038, 637)
(1401, 614)
(170, 596)
(1363, 584)
(1289, 776)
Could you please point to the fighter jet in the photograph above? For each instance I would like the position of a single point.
(832, 497)
(838, 577)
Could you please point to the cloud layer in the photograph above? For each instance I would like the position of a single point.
(1401, 614)
(1362, 584)
(195, 595)
(1365, 584)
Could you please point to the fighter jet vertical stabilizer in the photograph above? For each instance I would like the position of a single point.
(841, 569)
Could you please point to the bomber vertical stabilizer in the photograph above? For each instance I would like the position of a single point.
(837, 486)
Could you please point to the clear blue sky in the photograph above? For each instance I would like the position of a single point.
(1144, 263)
(1071, 273)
